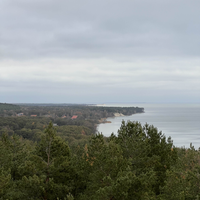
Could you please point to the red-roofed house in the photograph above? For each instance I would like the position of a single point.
(74, 117)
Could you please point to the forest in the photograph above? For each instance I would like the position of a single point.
(74, 123)
(138, 163)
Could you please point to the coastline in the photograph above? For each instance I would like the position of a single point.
(104, 120)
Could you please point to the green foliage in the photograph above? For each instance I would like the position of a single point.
(139, 163)
(26, 127)
(37, 117)
(14, 152)
(109, 174)
(8, 107)
(75, 135)
(5, 178)
(49, 170)
(184, 177)
(132, 164)
(147, 149)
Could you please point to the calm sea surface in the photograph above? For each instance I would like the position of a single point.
(180, 121)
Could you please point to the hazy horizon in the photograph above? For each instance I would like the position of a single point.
(108, 103)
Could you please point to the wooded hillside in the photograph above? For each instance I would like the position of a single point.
(139, 163)
(75, 123)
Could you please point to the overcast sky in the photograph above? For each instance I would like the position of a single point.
(90, 51)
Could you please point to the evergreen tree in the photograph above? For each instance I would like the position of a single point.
(148, 151)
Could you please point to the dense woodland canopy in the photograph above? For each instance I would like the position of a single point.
(29, 120)
(69, 161)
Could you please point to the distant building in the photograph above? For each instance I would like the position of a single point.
(63, 116)
(55, 124)
(20, 114)
(33, 115)
(74, 117)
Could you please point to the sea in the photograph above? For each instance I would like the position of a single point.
(181, 122)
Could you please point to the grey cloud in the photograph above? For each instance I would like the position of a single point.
(99, 28)
(109, 49)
